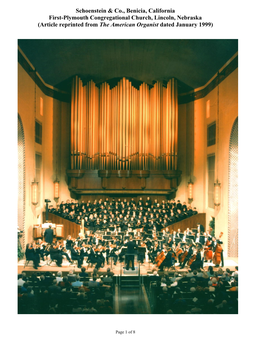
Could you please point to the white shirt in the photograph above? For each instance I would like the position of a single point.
(20, 282)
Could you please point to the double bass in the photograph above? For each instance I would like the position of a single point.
(208, 253)
(217, 258)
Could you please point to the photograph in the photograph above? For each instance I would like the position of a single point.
(128, 176)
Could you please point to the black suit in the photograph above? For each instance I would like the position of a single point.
(48, 235)
(76, 256)
(130, 254)
(201, 228)
(56, 255)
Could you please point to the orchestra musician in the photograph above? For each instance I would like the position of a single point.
(164, 258)
(198, 260)
(112, 215)
(208, 249)
(63, 251)
(218, 254)
(100, 259)
(154, 250)
(55, 254)
(76, 255)
(40, 247)
(69, 243)
(168, 259)
(130, 253)
(188, 256)
(113, 253)
(31, 254)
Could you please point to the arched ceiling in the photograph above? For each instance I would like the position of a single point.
(192, 62)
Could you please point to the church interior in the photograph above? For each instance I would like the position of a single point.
(116, 123)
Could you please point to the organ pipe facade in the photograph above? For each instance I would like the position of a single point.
(124, 128)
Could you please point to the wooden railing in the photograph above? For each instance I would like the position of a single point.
(191, 222)
(69, 228)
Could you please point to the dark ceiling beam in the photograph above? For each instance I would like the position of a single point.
(183, 98)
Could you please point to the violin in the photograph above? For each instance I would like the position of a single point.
(85, 245)
(100, 248)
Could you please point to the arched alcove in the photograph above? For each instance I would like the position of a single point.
(21, 178)
(233, 193)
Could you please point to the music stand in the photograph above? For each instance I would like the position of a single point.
(177, 240)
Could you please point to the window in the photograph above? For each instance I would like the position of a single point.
(211, 133)
(211, 178)
(38, 132)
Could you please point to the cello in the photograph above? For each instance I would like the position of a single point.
(182, 256)
(191, 260)
(160, 258)
(178, 251)
(208, 253)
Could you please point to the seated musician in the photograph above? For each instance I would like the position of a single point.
(107, 232)
(188, 231)
(167, 262)
(100, 259)
(113, 253)
(169, 242)
(198, 262)
(31, 254)
(174, 236)
(75, 255)
(188, 256)
(40, 248)
(92, 254)
(63, 252)
(55, 254)
(69, 243)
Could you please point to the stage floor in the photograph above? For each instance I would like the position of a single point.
(145, 268)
